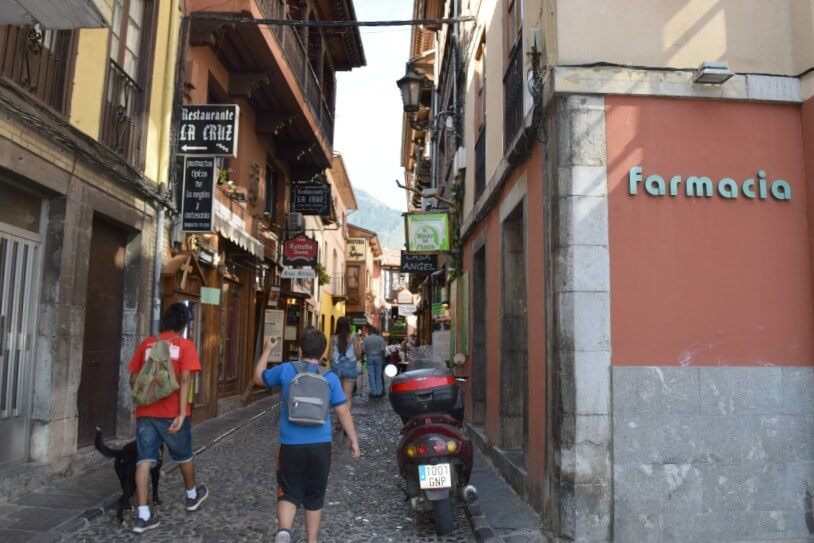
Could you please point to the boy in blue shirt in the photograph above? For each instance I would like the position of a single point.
(304, 458)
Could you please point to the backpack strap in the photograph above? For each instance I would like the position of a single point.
(302, 367)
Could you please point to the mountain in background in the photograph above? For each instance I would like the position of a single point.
(377, 216)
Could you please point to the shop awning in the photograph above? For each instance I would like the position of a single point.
(52, 14)
(233, 228)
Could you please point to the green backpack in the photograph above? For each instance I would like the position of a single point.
(156, 379)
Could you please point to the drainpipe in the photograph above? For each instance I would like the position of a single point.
(155, 326)
(166, 155)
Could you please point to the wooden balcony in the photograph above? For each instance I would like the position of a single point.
(37, 60)
(286, 77)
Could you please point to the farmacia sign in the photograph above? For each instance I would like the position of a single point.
(757, 188)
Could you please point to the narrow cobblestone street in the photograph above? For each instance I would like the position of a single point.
(364, 500)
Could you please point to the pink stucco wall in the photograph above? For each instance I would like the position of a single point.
(709, 281)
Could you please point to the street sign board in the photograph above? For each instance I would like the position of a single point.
(406, 310)
(311, 199)
(418, 263)
(300, 251)
(208, 130)
(427, 232)
(298, 273)
(198, 195)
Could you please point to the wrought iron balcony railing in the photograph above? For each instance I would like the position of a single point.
(121, 130)
(513, 95)
(337, 285)
(38, 60)
(480, 164)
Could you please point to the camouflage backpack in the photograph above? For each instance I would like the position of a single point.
(156, 379)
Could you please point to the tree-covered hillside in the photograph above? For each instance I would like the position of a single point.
(375, 215)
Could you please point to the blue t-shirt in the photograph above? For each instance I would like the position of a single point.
(295, 434)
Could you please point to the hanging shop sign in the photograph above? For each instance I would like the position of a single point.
(355, 249)
(208, 130)
(298, 273)
(418, 263)
(311, 199)
(198, 195)
(405, 310)
(300, 251)
(427, 232)
(758, 188)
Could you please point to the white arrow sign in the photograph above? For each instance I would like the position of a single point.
(191, 148)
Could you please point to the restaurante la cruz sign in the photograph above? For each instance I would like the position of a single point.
(208, 130)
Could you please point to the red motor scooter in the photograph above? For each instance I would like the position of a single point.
(434, 453)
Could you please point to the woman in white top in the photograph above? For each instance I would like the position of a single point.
(345, 352)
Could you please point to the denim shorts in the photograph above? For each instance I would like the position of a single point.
(152, 432)
(345, 370)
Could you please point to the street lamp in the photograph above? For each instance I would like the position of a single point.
(410, 86)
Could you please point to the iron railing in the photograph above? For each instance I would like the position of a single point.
(120, 129)
(337, 285)
(37, 59)
(480, 164)
(297, 56)
(513, 95)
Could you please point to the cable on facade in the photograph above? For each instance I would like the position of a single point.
(120, 169)
(206, 16)
(603, 64)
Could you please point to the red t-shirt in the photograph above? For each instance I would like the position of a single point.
(184, 357)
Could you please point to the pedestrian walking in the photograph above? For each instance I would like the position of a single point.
(168, 420)
(304, 456)
(375, 350)
(346, 352)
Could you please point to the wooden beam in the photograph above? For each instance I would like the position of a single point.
(243, 84)
(270, 123)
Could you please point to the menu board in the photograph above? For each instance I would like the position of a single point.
(273, 327)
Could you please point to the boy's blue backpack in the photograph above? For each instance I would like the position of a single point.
(309, 396)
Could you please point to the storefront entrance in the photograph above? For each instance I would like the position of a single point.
(19, 273)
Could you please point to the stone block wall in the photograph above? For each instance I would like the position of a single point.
(713, 454)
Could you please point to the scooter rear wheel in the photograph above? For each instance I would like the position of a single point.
(442, 510)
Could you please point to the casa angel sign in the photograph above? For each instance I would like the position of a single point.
(427, 232)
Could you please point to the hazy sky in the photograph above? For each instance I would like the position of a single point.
(368, 104)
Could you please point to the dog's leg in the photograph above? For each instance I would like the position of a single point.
(123, 502)
(155, 475)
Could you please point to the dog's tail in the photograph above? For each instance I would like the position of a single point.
(102, 448)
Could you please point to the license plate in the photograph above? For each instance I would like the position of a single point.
(434, 476)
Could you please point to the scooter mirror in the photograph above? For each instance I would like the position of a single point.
(390, 370)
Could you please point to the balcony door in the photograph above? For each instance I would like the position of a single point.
(128, 78)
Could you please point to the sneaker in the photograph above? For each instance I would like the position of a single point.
(203, 493)
(283, 536)
(141, 525)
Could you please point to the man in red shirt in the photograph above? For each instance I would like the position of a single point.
(167, 421)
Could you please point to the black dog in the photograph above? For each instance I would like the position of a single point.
(125, 466)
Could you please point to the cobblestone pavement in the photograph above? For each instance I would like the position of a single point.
(364, 501)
